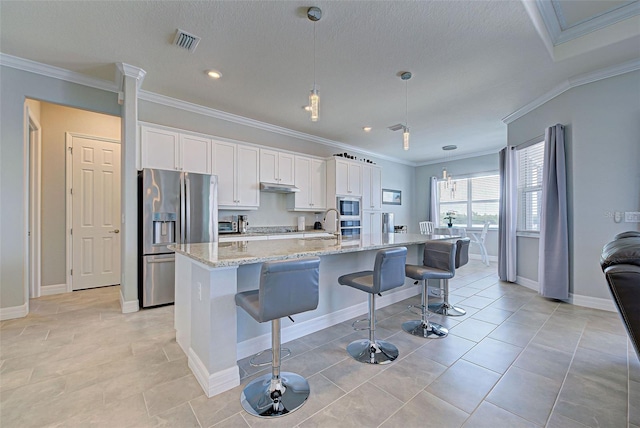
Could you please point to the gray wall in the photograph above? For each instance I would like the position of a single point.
(480, 164)
(16, 86)
(603, 165)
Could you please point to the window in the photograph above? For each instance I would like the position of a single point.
(530, 162)
(474, 200)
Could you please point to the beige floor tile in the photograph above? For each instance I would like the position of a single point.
(406, 377)
(171, 394)
(535, 405)
(235, 421)
(464, 385)
(445, 350)
(544, 361)
(493, 354)
(489, 416)
(365, 406)
(426, 410)
(178, 417)
(472, 329)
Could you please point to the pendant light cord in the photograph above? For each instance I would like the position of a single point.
(314, 55)
(406, 103)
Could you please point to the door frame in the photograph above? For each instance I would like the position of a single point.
(34, 137)
(69, 136)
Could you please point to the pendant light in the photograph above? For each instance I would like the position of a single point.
(405, 130)
(451, 186)
(314, 14)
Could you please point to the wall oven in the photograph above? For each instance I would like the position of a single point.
(350, 229)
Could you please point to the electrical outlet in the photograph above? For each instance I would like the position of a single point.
(632, 217)
(199, 286)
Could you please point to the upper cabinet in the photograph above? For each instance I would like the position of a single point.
(237, 169)
(311, 179)
(371, 188)
(165, 149)
(348, 177)
(276, 167)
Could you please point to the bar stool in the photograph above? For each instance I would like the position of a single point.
(388, 273)
(461, 259)
(286, 287)
(438, 262)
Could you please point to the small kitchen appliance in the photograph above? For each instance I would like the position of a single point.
(243, 223)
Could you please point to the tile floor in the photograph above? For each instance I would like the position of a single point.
(515, 360)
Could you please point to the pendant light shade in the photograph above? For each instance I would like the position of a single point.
(405, 138)
(314, 14)
(405, 131)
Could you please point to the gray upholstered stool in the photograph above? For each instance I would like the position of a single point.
(461, 259)
(286, 287)
(388, 273)
(438, 262)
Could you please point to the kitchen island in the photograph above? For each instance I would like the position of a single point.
(214, 335)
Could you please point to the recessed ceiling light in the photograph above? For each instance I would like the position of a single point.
(366, 129)
(214, 74)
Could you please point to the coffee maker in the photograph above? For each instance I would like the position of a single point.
(243, 223)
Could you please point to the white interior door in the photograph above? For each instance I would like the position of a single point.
(96, 212)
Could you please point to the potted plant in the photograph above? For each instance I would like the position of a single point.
(450, 217)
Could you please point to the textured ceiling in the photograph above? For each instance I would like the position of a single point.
(473, 62)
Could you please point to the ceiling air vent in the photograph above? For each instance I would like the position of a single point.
(396, 127)
(185, 40)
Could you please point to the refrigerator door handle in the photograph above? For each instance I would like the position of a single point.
(182, 209)
(188, 209)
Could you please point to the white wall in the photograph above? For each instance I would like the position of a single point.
(602, 136)
(16, 86)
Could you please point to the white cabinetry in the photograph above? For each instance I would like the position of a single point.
(237, 169)
(372, 225)
(371, 188)
(311, 179)
(165, 149)
(276, 167)
(348, 176)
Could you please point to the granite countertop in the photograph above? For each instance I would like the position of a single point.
(273, 231)
(225, 254)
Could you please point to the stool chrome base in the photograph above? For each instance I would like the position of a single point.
(260, 399)
(446, 309)
(376, 352)
(427, 330)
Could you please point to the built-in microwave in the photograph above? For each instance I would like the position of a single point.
(349, 207)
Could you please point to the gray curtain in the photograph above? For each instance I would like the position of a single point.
(508, 219)
(433, 201)
(553, 255)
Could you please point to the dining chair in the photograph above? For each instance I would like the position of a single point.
(479, 241)
(426, 227)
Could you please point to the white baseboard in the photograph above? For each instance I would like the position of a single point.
(49, 290)
(128, 306)
(528, 283)
(214, 383)
(299, 329)
(479, 257)
(593, 302)
(575, 299)
(14, 312)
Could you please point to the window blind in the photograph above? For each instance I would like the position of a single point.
(530, 163)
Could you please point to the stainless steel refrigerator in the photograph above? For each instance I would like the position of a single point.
(174, 207)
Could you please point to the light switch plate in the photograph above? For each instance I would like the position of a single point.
(632, 217)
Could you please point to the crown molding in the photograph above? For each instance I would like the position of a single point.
(572, 82)
(493, 151)
(241, 120)
(56, 72)
(126, 70)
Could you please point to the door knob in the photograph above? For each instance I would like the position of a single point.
(115, 231)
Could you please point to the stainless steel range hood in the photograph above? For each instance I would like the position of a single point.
(278, 188)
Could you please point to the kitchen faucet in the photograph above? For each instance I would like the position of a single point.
(338, 223)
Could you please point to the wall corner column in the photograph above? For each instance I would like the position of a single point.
(130, 78)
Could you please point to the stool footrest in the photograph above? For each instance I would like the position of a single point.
(284, 353)
(353, 324)
(428, 330)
